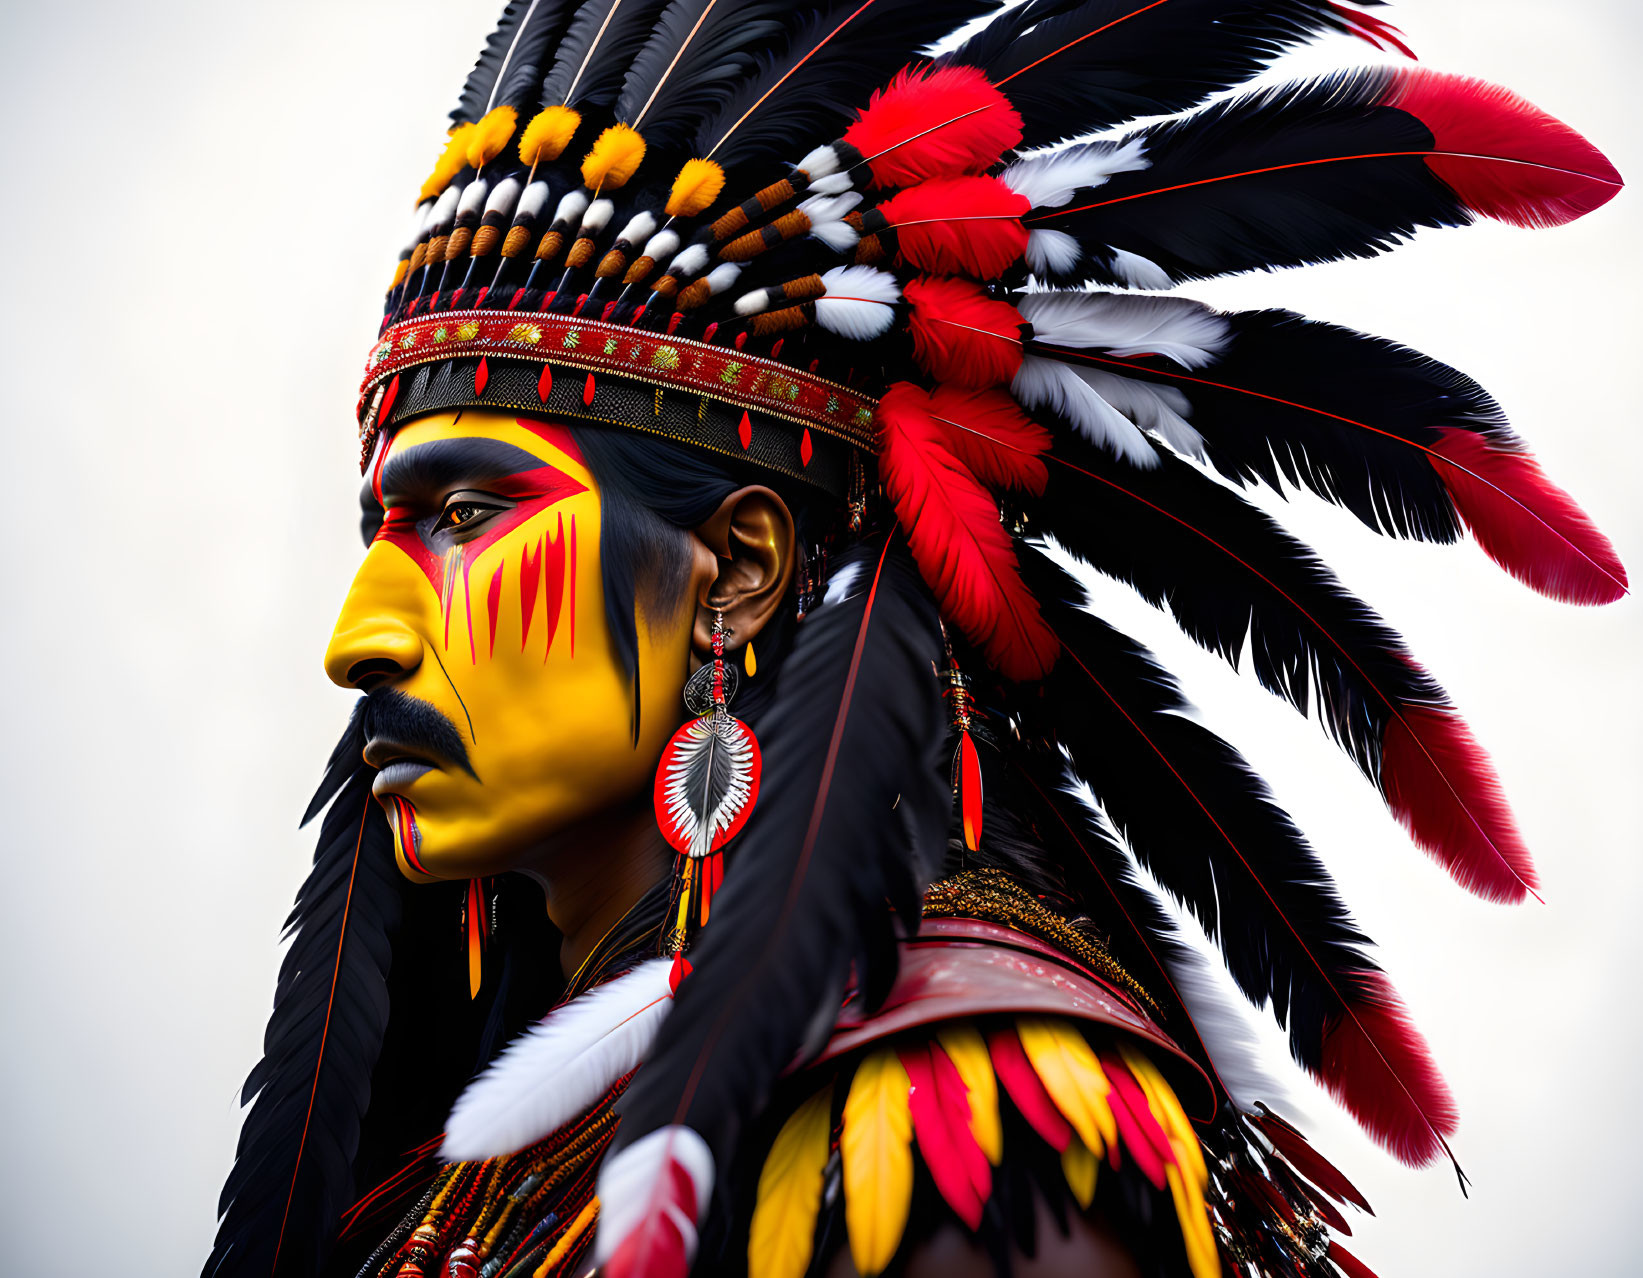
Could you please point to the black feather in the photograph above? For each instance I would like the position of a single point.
(510, 65)
(1308, 172)
(1227, 572)
(1093, 65)
(699, 52)
(806, 94)
(1199, 819)
(596, 51)
(293, 1171)
(1346, 414)
(879, 801)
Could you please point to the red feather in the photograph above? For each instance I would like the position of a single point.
(961, 549)
(657, 1246)
(962, 334)
(1026, 1089)
(934, 122)
(1138, 1130)
(969, 791)
(1526, 523)
(1440, 784)
(959, 226)
(1297, 1151)
(1503, 156)
(988, 431)
(940, 1107)
(1347, 1263)
(1378, 1066)
(1372, 30)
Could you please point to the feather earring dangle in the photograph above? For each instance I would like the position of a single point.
(966, 773)
(706, 786)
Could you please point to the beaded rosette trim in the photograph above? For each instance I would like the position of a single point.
(721, 373)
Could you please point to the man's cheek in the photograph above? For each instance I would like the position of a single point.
(529, 587)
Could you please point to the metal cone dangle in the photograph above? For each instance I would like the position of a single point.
(708, 779)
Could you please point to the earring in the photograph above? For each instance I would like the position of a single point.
(966, 773)
(706, 786)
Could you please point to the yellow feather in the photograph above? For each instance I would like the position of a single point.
(963, 1043)
(612, 159)
(1196, 1230)
(878, 1163)
(1078, 1165)
(697, 186)
(1065, 1063)
(1166, 1108)
(452, 160)
(490, 135)
(783, 1231)
(548, 134)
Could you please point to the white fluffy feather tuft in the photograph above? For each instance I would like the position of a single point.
(473, 198)
(821, 162)
(534, 200)
(1049, 181)
(1180, 329)
(833, 184)
(1135, 271)
(571, 206)
(598, 217)
(1052, 252)
(752, 303)
(688, 265)
(722, 277)
(502, 199)
(553, 1072)
(838, 236)
(631, 1187)
(859, 302)
(1048, 383)
(639, 227)
(661, 246)
(1160, 409)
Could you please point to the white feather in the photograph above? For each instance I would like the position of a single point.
(662, 245)
(639, 227)
(571, 207)
(1159, 409)
(630, 1187)
(1042, 383)
(843, 583)
(833, 184)
(419, 223)
(722, 277)
(859, 302)
(1049, 181)
(1186, 331)
(688, 265)
(473, 198)
(534, 200)
(838, 236)
(502, 199)
(821, 162)
(597, 218)
(1051, 252)
(1135, 271)
(752, 303)
(829, 208)
(552, 1073)
(445, 208)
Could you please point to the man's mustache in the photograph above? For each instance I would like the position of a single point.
(418, 727)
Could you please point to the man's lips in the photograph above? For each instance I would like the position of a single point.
(397, 765)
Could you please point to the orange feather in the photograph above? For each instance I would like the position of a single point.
(1065, 1063)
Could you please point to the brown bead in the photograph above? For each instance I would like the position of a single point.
(459, 243)
(611, 264)
(518, 238)
(581, 253)
(549, 248)
(485, 240)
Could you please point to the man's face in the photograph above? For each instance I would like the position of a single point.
(481, 601)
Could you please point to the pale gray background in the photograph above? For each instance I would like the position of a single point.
(205, 201)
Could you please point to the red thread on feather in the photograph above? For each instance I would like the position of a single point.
(1441, 786)
(975, 125)
(940, 1110)
(1507, 158)
(1025, 1089)
(1556, 548)
(959, 226)
(1360, 1049)
(961, 334)
(960, 547)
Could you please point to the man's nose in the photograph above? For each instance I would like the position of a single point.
(374, 641)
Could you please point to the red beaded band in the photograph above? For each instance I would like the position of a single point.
(717, 372)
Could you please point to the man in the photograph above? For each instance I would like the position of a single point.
(716, 794)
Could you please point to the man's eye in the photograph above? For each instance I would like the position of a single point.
(464, 513)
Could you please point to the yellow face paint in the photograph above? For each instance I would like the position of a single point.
(482, 601)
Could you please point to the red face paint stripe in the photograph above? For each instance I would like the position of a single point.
(530, 581)
(553, 595)
(573, 585)
(493, 601)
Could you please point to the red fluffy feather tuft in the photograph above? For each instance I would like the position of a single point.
(1526, 523)
(934, 122)
(1503, 156)
(961, 549)
(1378, 1066)
(1440, 784)
(961, 334)
(959, 226)
(988, 431)
(940, 1110)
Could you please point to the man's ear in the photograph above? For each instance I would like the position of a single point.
(750, 544)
